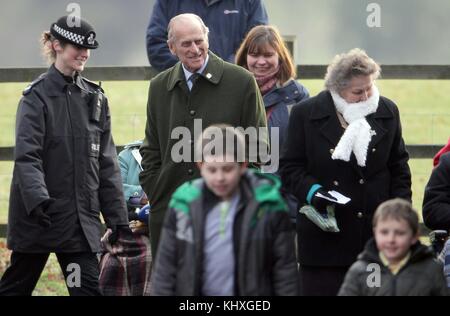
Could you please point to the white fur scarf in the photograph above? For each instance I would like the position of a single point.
(358, 134)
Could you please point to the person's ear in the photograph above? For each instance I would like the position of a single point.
(415, 239)
(172, 48)
(56, 44)
(199, 165)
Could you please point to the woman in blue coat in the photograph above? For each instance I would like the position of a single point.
(130, 167)
(264, 54)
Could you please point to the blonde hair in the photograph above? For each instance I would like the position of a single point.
(346, 66)
(397, 209)
(47, 50)
(255, 42)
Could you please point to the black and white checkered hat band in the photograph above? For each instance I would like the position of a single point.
(73, 37)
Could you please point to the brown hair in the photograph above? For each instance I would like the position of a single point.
(397, 209)
(255, 42)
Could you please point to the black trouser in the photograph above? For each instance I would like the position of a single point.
(22, 275)
(321, 281)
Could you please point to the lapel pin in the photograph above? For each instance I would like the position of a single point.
(208, 75)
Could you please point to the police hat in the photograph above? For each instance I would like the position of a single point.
(80, 33)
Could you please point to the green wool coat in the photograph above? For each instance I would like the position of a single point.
(224, 93)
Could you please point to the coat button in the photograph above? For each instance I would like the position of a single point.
(360, 215)
(361, 181)
(331, 151)
(192, 112)
(336, 183)
(190, 172)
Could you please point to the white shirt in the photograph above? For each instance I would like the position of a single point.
(188, 74)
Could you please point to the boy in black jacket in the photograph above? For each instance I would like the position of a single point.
(395, 263)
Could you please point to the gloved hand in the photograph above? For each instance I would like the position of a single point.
(39, 213)
(144, 213)
(117, 231)
(319, 203)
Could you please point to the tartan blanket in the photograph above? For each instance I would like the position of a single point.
(125, 267)
(446, 257)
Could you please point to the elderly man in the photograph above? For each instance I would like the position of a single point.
(228, 20)
(200, 87)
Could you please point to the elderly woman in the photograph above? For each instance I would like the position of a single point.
(264, 54)
(348, 138)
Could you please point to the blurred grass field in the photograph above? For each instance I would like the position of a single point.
(424, 108)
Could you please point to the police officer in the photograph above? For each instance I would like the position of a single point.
(65, 169)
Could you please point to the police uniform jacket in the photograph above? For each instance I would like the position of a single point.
(64, 157)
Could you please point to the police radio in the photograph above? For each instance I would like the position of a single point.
(96, 105)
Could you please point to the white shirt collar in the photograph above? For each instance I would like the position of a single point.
(188, 74)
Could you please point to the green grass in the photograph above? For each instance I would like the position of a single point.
(424, 108)
(51, 282)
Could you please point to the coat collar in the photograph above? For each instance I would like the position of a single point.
(290, 92)
(56, 84)
(213, 72)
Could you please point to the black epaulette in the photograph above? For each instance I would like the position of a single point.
(95, 85)
(32, 84)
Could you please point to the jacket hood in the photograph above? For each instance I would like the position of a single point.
(419, 252)
(265, 189)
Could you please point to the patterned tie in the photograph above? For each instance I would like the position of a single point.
(193, 78)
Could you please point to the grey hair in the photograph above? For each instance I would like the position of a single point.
(185, 16)
(345, 66)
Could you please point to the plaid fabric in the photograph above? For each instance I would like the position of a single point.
(125, 266)
(446, 253)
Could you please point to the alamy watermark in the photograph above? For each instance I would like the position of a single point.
(73, 279)
(74, 16)
(256, 148)
(374, 18)
(374, 278)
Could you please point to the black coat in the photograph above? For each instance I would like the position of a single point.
(436, 202)
(313, 133)
(422, 275)
(65, 156)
